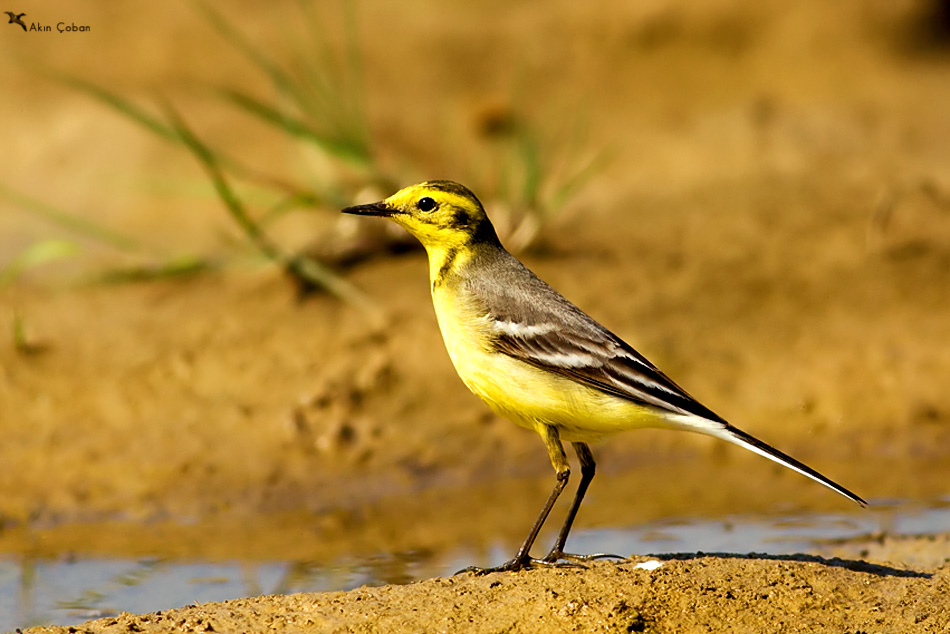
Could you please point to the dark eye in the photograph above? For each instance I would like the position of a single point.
(425, 204)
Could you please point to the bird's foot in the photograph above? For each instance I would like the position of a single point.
(559, 557)
(512, 565)
(524, 563)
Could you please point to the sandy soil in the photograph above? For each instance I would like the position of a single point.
(773, 230)
(686, 593)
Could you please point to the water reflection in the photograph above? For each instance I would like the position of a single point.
(71, 589)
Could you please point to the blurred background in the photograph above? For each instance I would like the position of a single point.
(211, 385)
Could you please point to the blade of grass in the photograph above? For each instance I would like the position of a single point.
(120, 104)
(35, 255)
(320, 82)
(332, 109)
(578, 173)
(354, 62)
(281, 80)
(302, 268)
(576, 181)
(533, 170)
(351, 99)
(287, 205)
(342, 148)
(209, 162)
(175, 267)
(69, 221)
(155, 125)
(22, 342)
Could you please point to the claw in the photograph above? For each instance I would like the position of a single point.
(516, 565)
(554, 557)
(561, 562)
(512, 565)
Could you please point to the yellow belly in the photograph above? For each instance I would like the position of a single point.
(524, 394)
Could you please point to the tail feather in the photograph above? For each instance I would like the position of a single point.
(736, 436)
(739, 437)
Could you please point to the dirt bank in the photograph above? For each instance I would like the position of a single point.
(686, 594)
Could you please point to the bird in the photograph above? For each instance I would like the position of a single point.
(16, 18)
(537, 359)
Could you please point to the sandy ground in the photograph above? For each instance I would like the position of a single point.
(773, 229)
(687, 593)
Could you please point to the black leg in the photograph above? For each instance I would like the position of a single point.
(558, 458)
(588, 468)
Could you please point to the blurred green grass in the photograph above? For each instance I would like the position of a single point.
(524, 171)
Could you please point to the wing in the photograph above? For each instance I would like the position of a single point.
(534, 323)
(598, 359)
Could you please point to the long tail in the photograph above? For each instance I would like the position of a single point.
(726, 431)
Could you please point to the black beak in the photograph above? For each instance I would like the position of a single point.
(372, 209)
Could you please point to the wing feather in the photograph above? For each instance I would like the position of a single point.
(535, 324)
(604, 363)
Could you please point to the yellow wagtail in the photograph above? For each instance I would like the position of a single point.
(537, 359)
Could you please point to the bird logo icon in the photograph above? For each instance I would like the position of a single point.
(16, 18)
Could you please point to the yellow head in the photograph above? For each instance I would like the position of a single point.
(440, 214)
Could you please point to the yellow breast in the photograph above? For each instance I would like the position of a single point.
(529, 396)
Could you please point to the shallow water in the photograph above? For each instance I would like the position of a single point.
(71, 590)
